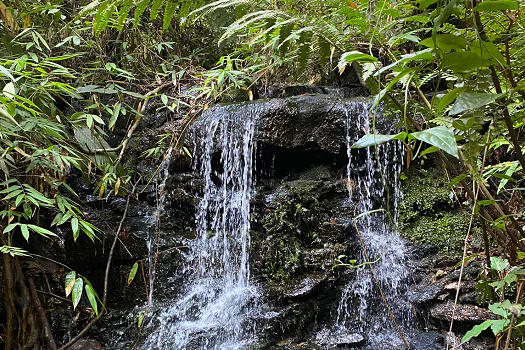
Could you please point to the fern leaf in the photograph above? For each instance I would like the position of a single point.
(139, 11)
(123, 13)
(102, 18)
(245, 21)
(213, 6)
(324, 50)
(304, 49)
(169, 11)
(284, 33)
(185, 8)
(156, 5)
(89, 7)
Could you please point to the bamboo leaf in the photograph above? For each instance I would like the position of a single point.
(132, 273)
(69, 282)
(77, 291)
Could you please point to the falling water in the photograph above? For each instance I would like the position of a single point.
(215, 309)
(373, 182)
(153, 235)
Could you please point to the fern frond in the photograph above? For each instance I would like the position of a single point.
(123, 13)
(104, 13)
(284, 33)
(139, 11)
(304, 49)
(324, 50)
(185, 8)
(243, 22)
(213, 6)
(169, 11)
(156, 5)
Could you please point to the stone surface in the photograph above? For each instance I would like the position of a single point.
(425, 293)
(466, 313)
(338, 339)
(86, 344)
(427, 341)
(306, 286)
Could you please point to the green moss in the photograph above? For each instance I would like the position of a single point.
(291, 228)
(428, 214)
(446, 230)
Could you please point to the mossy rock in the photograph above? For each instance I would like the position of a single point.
(428, 215)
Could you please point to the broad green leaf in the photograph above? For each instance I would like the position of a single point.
(377, 139)
(496, 5)
(498, 309)
(69, 282)
(354, 56)
(476, 330)
(423, 55)
(25, 231)
(498, 264)
(132, 273)
(448, 98)
(9, 90)
(439, 136)
(472, 100)
(91, 294)
(488, 51)
(463, 61)
(446, 42)
(77, 291)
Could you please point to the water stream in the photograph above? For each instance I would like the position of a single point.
(373, 178)
(216, 307)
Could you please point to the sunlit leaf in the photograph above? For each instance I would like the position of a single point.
(439, 136)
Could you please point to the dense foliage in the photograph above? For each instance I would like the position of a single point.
(72, 71)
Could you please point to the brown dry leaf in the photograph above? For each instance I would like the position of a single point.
(7, 17)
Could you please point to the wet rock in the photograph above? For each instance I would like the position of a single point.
(306, 287)
(466, 313)
(427, 341)
(338, 339)
(426, 293)
(316, 174)
(86, 344)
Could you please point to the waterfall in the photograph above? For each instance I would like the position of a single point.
(215, 309)
(373, 182)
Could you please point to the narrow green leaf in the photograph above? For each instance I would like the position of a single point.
(132, 273)
(42, 230)
(441, 137)
(91, 297)
(354, 56)
(77, 291)
(25, 232)
(74, 227)
(69, 282)
(10, 227)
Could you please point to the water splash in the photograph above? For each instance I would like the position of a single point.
(373, 183)
(216, 307)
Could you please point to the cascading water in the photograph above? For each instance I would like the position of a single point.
(216, 306)
(153, 235)
(373, 182)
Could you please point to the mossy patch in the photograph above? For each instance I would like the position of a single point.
(428, 214)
